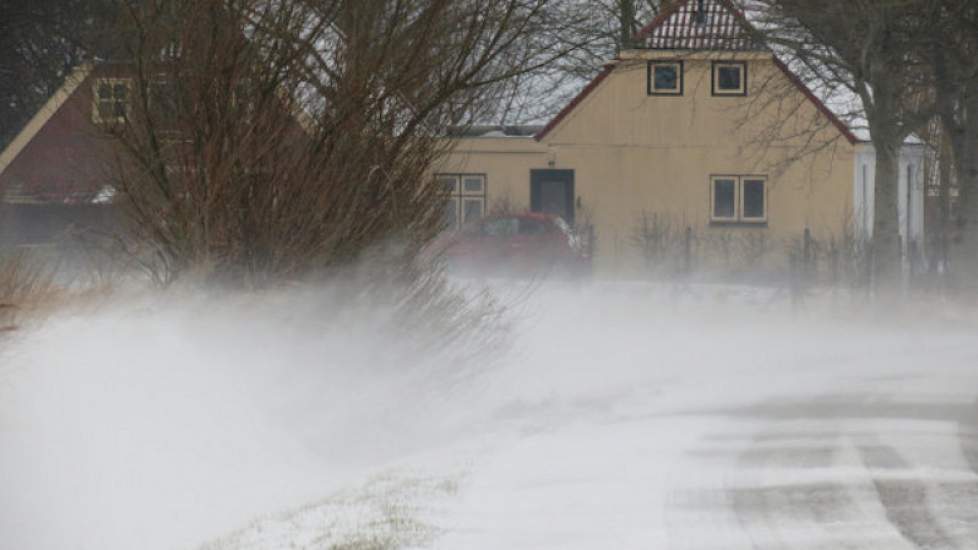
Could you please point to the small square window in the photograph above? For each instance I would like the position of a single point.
(111, 100)
(754, 197)
(723, 199)
(665, 78)
(729, 78)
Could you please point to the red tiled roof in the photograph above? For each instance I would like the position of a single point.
(720, 26)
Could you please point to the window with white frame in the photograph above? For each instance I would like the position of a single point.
(738, 199)
(730, 78)
(465, 198)
(111, 97)
(665, 78)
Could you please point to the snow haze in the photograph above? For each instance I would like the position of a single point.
(621, 416)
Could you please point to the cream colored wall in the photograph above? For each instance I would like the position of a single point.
(634, 153)
(505, 161)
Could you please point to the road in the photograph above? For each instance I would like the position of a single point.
(838, 471)
(842, 433)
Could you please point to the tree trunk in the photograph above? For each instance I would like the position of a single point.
(886, 246)
(627, 23)
(964, 140)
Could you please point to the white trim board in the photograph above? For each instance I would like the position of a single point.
(43, 115)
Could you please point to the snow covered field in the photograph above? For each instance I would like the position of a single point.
(623, 416)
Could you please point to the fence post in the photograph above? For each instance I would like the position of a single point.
(590, 247)
(807, 254)
(688, 251)
(912, 258)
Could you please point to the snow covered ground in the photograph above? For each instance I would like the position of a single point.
(624, 416)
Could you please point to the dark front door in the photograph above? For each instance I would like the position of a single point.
(552, 191)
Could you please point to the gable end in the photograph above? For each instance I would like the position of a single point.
(43, 115)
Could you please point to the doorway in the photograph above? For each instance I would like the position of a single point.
(552, 192)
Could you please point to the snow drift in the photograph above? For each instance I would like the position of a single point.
(622, 416)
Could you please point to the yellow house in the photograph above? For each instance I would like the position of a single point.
(700, 135)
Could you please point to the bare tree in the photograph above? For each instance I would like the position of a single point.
(286, 139)
(589, 33)
(869, 49)
(952, 55)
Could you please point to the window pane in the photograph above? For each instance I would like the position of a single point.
(472, 185)
(503, 227)
(106, 110)
(666, 77)
(729, 77)
(121, 90)
(450, 215)
(104, 91)
(753, 198)
(724, 191)
(472, 210)
(448, 183)
(532, 227)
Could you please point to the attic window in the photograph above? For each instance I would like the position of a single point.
(111, 99)
(730, 78)
(665, 78)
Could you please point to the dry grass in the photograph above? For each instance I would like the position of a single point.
(32, 288)
(26, 287)
(388, 512)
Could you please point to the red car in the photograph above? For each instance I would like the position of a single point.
(531, 243)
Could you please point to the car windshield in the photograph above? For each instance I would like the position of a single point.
(501, 227)
(530, 226)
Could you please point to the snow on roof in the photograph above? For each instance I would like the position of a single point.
(493, 131)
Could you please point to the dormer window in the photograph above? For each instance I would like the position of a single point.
(665, 78)
(111, 100)
(730, 78)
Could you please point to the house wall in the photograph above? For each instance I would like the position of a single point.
(506, 162)
(910, 192)
(52, 188)
(66, 159)
(634, 153)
